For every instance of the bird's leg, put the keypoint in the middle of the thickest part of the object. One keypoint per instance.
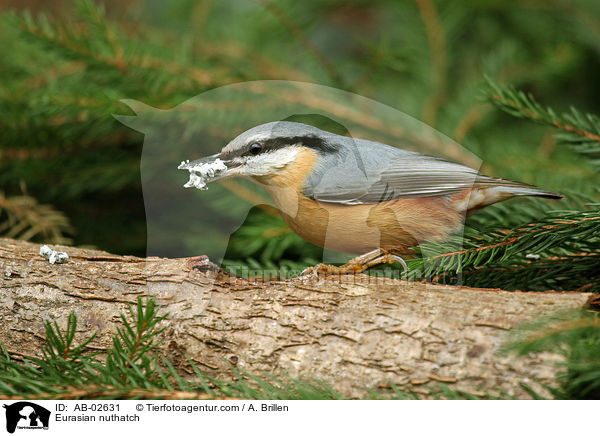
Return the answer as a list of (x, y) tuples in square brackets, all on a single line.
[(357, 265)]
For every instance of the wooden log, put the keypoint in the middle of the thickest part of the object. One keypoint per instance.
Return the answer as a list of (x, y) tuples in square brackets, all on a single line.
[(354, 332)]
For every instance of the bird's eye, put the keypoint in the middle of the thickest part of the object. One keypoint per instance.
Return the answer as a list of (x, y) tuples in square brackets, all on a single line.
[(255, 148)]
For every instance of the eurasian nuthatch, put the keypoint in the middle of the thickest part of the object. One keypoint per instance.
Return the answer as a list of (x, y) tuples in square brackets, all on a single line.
[(354, 195)]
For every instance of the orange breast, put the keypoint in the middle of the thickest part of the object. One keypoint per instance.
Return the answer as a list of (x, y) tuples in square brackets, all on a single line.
[(395, 225)]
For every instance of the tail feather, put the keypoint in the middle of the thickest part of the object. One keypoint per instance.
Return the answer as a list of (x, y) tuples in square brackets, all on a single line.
[(526, 190), (486, 195)]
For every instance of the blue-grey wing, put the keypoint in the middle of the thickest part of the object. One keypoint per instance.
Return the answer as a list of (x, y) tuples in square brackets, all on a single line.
[(371, 172)]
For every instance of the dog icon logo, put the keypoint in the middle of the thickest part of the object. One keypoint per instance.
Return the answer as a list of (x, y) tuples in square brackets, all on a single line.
[(26, 415)]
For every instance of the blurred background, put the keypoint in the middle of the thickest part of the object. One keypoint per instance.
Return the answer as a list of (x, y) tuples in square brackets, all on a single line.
[(70, 172)]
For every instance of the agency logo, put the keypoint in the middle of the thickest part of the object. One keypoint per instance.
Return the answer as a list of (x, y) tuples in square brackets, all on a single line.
[(26, 415)]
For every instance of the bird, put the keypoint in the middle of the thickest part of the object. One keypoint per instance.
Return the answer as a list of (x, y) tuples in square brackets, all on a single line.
[(353, 195)]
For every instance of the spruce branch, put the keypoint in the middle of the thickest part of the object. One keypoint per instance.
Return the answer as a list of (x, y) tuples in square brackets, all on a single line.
[(61, 345), (135, 341), (581, 131), (559, 250)]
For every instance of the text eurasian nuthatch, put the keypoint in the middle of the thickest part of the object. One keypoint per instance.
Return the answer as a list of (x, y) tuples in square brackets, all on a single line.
[(354, 195)]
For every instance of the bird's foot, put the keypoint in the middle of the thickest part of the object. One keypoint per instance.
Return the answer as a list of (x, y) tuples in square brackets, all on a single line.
[(326, 270), (356, 265)]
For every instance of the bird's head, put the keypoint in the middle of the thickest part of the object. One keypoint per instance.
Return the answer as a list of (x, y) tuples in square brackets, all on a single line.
[(261, 152)]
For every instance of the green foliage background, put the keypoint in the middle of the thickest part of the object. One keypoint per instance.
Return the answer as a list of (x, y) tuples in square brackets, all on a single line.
[(64, 68)]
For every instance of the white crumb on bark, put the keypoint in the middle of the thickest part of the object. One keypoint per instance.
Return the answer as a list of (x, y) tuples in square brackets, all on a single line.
[(53, 256)]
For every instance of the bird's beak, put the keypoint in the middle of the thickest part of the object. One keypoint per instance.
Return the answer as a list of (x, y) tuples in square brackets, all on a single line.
[(207, 169)]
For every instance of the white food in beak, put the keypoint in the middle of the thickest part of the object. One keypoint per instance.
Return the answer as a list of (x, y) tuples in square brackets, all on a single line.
[(201, 174)]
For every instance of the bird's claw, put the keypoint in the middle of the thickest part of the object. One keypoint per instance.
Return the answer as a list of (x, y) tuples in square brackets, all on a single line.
[(312, 272)]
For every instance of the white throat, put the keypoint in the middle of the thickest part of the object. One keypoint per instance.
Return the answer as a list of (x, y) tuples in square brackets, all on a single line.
[(269, 163)]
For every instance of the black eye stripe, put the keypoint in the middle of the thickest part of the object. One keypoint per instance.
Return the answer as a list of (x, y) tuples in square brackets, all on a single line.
[(310, 141)]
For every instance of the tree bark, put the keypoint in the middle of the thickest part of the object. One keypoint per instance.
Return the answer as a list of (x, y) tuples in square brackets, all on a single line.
[(353, 333)]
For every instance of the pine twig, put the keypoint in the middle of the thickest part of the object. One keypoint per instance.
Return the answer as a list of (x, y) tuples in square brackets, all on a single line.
[(580, 130)]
